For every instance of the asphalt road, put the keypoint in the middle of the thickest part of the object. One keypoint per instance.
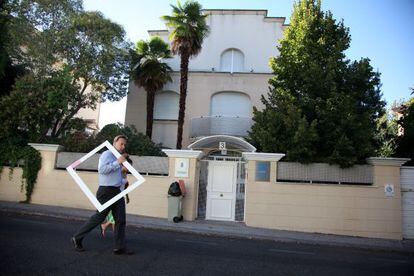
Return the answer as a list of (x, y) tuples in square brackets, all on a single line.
[(38, 245)]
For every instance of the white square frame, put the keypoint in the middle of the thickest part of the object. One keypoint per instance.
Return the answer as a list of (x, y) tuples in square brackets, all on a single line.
[(100, 207)]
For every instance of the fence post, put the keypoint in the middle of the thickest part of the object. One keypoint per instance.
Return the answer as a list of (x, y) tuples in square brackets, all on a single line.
[(387, 171), (184, 164), (49, 156), (252, 158), (386, 175)]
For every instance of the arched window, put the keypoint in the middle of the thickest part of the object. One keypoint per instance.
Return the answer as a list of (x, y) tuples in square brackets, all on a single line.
[(166, 105), (232, 60), (231, 104)]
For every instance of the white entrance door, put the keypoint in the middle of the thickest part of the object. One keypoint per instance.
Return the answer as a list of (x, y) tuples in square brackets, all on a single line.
[(221, 190)]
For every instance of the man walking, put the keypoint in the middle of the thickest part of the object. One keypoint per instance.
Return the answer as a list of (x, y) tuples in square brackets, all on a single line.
[(110, 183)]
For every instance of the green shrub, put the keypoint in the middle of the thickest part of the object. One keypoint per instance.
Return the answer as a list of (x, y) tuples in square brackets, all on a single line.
[(138, 143), (12, 153)]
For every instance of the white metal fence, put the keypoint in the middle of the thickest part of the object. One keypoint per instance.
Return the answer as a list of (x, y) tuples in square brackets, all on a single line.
[(150, 165), (324, 173)]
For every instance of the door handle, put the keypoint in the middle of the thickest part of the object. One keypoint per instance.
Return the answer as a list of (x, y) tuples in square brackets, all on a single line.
[(221, 195)]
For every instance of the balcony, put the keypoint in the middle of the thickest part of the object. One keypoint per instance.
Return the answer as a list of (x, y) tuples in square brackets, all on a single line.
[(220, 125)]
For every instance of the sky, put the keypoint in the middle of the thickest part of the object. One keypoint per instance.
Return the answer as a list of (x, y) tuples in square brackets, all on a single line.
[(382, 30)]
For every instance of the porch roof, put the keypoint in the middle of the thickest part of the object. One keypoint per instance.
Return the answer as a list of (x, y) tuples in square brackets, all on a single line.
[(231, 141)]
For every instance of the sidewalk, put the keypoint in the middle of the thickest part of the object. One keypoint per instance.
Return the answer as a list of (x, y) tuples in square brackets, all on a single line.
[(225, 229)]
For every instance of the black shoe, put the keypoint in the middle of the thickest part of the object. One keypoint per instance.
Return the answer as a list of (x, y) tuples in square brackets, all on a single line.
[(77, 244), (123, 251)]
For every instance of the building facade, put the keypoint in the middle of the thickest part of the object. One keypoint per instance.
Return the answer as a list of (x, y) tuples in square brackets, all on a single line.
[(225, 80), (91, 118)]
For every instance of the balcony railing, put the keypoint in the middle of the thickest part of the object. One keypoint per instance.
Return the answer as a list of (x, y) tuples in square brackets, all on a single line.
[(220, 125)]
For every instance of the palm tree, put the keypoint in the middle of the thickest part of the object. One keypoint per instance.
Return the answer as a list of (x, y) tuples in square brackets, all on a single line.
[(189, 28), (151, 72)]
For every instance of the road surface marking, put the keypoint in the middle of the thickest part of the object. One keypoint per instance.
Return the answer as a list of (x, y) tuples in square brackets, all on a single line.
[(291, 251), (389, 260), (197, 242)]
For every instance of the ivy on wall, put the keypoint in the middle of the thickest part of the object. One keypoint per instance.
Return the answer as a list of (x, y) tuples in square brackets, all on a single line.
[(26, 157)]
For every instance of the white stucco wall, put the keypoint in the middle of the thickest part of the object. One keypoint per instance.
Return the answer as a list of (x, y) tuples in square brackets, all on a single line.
[(201, 88), (89, 113), (250, 31)]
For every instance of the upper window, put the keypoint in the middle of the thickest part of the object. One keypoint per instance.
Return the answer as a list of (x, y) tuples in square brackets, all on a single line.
[(166, 105), (231, 104), (232, 60)]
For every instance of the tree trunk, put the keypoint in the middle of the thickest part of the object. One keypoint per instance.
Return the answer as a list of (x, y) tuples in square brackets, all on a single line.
[(183, 95), (150, 112), (56, 125), (65, 121)]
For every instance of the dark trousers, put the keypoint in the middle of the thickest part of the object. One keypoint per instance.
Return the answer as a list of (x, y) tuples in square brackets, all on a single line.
[(118, 211)]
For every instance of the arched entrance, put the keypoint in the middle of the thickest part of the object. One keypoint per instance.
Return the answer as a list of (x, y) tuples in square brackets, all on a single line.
[(221, 193)]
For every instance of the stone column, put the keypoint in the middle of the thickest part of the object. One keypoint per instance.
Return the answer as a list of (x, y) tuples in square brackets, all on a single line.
[(386, 175), (47, 178), (251, 183), (253, 157), (48, 153), (190, 176)]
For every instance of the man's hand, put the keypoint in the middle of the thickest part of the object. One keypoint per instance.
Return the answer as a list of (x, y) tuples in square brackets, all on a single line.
[(121, 159)]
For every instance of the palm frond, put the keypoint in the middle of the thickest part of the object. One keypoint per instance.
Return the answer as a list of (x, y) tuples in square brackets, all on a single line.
[(151, 72), (189, 27)]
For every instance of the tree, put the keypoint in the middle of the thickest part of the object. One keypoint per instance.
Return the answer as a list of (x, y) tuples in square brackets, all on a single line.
[(321, 107), (387, 134), (8, 71), (59, 38), (39, 30), (189, 28), (138, 143), (405, 142), (40, 106), (4, 17), (151, 72)]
